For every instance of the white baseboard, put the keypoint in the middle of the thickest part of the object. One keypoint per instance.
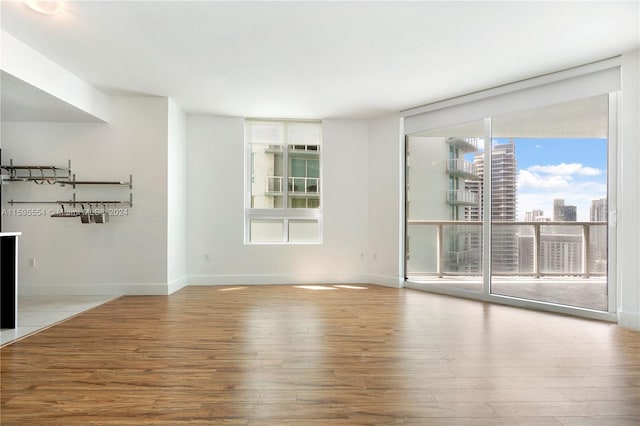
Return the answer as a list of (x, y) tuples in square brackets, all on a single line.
[(629, 320), (386, 280), (177, 284), (269, 279)]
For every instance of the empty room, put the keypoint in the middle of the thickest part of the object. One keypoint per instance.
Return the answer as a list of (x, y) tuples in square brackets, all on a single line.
[(320, 212)]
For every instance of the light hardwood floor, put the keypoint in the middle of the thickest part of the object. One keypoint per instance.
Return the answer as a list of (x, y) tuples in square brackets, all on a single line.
[(330, 355)]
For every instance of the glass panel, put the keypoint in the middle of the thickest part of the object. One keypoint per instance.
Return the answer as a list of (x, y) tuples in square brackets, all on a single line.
[(266, 231), (549, 204), (298, 167), (313, 168), (303, 231), (444, 195), (304, 176), (266, 176)]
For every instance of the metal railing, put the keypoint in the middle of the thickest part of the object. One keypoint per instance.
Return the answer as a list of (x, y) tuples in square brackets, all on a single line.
[(466, 144), (297, 185), (536, 235), (462, 197), (462, 167)]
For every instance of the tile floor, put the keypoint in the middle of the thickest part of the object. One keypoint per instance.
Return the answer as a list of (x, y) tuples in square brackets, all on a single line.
[(39, 312)]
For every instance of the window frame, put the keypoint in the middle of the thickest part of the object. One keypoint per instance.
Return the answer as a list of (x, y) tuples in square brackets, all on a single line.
[(285, 213)]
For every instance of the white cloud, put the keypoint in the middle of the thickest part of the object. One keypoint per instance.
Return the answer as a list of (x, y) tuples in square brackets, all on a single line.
[(578, 194), (565, 169), (529, 179)]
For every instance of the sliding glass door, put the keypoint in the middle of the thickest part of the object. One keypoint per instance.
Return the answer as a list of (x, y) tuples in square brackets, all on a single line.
[(514, 207), (549, 204)]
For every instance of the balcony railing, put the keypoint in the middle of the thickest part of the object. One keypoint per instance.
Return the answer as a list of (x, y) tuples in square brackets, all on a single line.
[(296, 186), (462, 168), (463, 257), (464, 144), (461, 197), (536, 244)]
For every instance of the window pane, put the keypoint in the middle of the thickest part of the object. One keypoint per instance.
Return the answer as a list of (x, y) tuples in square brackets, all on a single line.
[(298, 167), (551, 163), (266, 231), (298, 203), (444, 194), (267, 179), (304, 176), (303, 231), (313, 168)]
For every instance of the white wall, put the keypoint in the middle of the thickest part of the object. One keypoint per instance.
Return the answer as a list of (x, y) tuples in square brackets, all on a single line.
[(385, 156), (629, 195), (127, 255), (176, 198), (215, 180)]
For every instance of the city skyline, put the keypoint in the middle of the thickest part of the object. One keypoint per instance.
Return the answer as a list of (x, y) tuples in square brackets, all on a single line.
[(574, 170)]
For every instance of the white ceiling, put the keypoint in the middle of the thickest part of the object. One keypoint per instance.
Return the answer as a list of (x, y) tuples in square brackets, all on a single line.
[(319, 59)]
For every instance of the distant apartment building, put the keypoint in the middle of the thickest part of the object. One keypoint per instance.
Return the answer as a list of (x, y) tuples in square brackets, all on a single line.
[(562, 247), (561, 252), (504, 201), (563, 212), (599, 210), (268, 181), (598, 235), (536, 216)]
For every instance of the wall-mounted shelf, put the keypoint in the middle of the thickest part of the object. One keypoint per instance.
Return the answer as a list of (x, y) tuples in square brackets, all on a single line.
[(73, 182), (75, 202), (88, 210), (37, 174)]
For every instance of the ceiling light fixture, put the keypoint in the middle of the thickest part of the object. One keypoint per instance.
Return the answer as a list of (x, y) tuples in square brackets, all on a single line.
[(48, 7)]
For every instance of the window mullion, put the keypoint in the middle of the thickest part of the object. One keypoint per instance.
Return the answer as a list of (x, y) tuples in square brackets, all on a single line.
[(285, 169), (486, 208)]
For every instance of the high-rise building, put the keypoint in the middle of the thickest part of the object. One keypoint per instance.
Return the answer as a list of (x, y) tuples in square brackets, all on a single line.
[(598, 235), (563, 212), (504, 197), (599, 210), (561, 252), (534, 216), (558, 210), (570, 213)]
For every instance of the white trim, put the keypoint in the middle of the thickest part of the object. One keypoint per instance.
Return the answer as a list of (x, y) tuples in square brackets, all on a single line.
[(516, 98), (402, 203), (487, 229), (177, 284), (629, 320), (385, 280), (612, 201), (270, 279), (518, 85)]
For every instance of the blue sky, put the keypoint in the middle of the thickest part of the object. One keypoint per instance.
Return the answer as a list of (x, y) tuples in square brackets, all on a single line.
[(572, 169)]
